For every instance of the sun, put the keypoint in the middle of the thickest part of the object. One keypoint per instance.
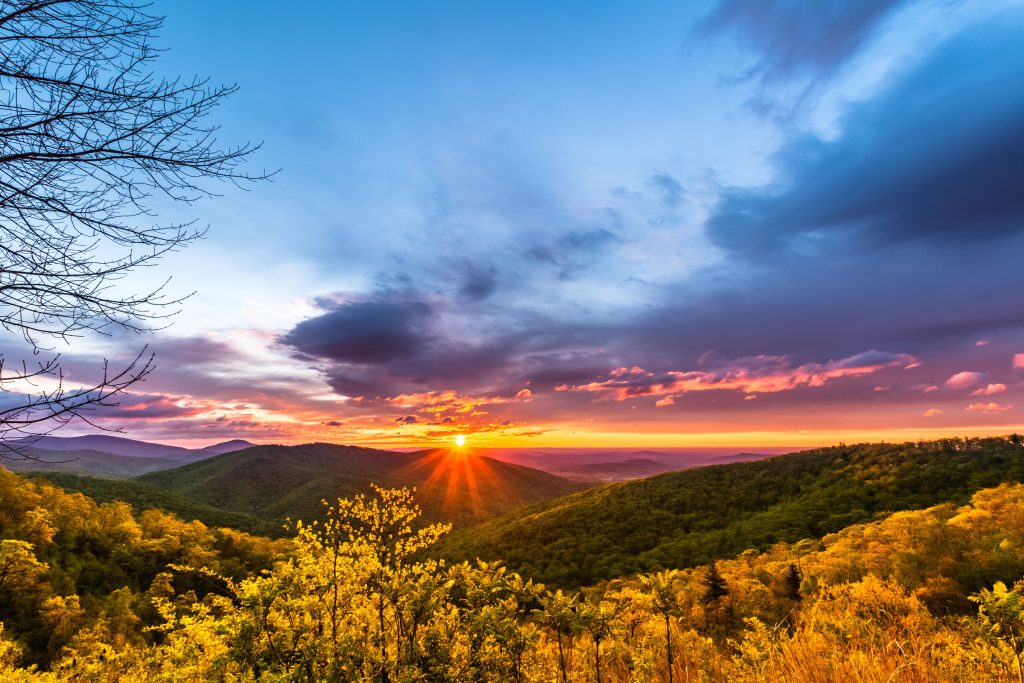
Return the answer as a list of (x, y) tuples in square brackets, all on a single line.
[(460, 440)]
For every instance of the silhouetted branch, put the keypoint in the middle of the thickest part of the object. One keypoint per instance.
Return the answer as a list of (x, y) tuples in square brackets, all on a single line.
[(88, 136)]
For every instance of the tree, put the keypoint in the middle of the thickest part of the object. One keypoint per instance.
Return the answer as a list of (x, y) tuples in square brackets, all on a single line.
[(89, 137), (662, 588), (1001, 610), (791, 581), (715, 587), (600, 619)]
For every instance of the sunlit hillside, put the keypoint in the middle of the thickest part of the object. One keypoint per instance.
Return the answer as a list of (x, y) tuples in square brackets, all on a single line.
[(683, 519), (95, 592), (269, 484)]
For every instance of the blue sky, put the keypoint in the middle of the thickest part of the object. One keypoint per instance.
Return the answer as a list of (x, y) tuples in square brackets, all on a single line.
[(579, 223)]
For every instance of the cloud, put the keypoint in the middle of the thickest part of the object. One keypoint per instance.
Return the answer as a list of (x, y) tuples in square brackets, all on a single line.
[(370, 331), (1018, 361), (790, 38), (934, 159), (965, 380), (670, 190), (132, 406), (988, 407), (759, 374), (932, 412), (478, 283), (990, 390)]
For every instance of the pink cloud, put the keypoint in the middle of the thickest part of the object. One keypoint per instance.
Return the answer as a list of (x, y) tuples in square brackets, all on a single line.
[(990, 390), (752, 375), (1018, 361), (932, 412), (982, 342), (965, 380), (988, 407)]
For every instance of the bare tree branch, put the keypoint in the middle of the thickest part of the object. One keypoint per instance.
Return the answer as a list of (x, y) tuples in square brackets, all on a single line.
[(88, 136)]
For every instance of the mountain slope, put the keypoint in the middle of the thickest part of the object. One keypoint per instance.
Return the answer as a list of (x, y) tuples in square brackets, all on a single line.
[(88, 462), (143, 496), (132, 448), (107, 443), (687, 518), (634, 468), (275, 482)]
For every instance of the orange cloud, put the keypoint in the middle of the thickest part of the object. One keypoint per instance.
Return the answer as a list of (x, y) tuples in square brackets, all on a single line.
[(758, 374), (990, 390), (932, 412), (989, 407)]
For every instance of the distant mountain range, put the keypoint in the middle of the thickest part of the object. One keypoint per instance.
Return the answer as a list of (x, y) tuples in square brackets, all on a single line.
[(612, 465), (290, 481), (258, 487), (117, 445), (104, 455)]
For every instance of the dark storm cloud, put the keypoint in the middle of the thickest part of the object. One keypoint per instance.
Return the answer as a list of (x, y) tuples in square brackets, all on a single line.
[(902, 233), (935, 159), (905, 299), (365, 332), (792, 37)]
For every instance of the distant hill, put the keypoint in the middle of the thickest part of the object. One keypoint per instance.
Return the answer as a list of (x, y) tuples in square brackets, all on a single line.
[(87, 462), (117, 445), (224, 447), (103, 455), (634, 468), (576, 463), (275, 482), (691, 517), (105, 443)]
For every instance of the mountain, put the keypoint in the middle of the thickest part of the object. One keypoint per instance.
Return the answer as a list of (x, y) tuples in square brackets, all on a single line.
[(105, 443), (691, 517), (224, 447), (87, 462), (144, 496), (102, 455), (634, 468), (567, 462), (277, 482)]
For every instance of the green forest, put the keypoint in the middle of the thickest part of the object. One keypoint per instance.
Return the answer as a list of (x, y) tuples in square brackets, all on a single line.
[(692, 517), (921, 590)]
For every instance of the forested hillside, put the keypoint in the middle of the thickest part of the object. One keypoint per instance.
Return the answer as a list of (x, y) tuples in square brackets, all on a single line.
[(87, 463), (68, 565), (279, 482), (688, 518), (94, 593), (145, 496)]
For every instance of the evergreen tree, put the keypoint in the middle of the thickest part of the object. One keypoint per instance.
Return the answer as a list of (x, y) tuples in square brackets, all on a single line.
[(791, 582), (715, 587)]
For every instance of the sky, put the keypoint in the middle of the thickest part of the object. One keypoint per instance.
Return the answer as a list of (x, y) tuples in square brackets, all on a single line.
[(736, 223)]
